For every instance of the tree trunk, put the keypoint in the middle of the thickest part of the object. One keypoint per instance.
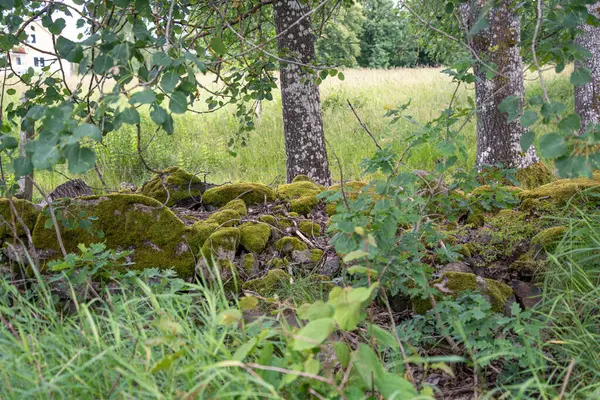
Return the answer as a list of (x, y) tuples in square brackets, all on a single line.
[(587, 97), (25, 184), (498, 141), (302, 121)]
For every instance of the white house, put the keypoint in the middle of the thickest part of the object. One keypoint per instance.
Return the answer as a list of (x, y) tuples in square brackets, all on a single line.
[(36, 54)]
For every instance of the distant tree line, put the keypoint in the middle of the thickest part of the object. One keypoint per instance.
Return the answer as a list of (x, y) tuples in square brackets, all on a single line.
[(377, 34)]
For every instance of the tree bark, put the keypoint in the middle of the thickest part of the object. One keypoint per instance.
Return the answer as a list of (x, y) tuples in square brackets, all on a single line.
[(587, 97), (25, 184), (498, 141), (302, 120)]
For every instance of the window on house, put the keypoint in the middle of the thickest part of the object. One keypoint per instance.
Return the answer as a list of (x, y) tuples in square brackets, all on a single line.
[(19, 62), (39, 62), (32, 37)]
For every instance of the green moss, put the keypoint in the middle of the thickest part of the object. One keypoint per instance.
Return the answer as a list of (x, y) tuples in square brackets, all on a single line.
[(549, 238), (249, 262), (237, 205), (526, 263), (309, 228), (563, 190), (331, 209), (269, 284), (287, 244), (26, 211), (304, 205), (129, 222), (225, 218), (201, 230), (294, 214), (268, 219), (222, 244), (296, 190), (251, 193), (254, 237), (181, 185), (277, 262), (539, 207), (301, 178), (316, 255), (455, 282), (535, 175), (351, 187)]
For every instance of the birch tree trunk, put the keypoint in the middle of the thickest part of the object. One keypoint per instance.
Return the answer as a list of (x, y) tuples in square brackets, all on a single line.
[(302, 121), (587, 97), (498, 141)]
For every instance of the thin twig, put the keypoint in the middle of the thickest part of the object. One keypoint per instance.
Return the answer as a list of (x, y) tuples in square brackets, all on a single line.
[(363, 125)]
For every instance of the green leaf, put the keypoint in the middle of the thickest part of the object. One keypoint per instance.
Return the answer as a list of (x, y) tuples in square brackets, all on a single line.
[(161, 59), (122, 53), (168, 125), (245, 349), (229, 317), (511, 106), (35, 112), (178, 103), (165, 362), (348, 304), (382, 336), (86, 130), (159, 115), (22, 167), (57, 26), (69, 50), (353, 255), (103, 64), (143, 97), (569, 124), (9, 142), (315, 311), (248, 303), (7, 4), (528, 118), (11, 91), (552, 145), (342, 353), (527, 140), (313, 334), (129, 116), (169, 81), (550, 110), (479, 25), (573, 167), (217, 45), (81, 159), (581, 76)]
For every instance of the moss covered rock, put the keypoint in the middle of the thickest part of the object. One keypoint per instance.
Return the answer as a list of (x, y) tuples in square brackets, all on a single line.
[(225, 218), (251, 193), (222, 244), (129, 222), (563, 190), (535, 175), (316, 255), (288, 244), (301, 178), (499, 294), (309, 228), (301, 195), (249, 262), (526, 265), (26, 211), (201, 231), (549, 238), (174, 187), (255, 236), (269, 284), (237, 205)]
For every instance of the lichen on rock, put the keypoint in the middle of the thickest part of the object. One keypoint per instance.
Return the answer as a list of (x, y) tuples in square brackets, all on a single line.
[(251, 193), (255, 236), (174, 186)]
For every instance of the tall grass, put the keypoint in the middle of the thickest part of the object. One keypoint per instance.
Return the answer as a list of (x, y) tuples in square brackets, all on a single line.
[(200, 141)]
